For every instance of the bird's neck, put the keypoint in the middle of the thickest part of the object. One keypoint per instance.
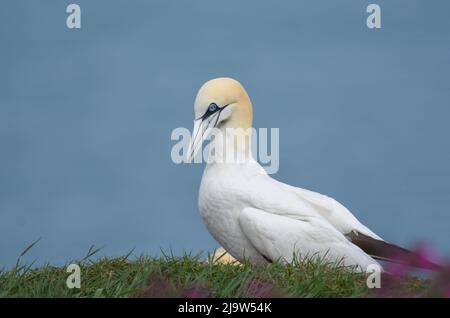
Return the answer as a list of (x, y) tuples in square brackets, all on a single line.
[(231, 145), (234, 142)]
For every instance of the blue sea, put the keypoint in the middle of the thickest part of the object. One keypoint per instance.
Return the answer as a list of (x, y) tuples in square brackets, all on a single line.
[(86, 116)]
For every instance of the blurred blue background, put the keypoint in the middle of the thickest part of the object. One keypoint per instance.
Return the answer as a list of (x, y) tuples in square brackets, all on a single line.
[(86, 116)]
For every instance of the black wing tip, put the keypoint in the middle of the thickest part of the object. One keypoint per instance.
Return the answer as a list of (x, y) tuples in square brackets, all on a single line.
[(384, 251)]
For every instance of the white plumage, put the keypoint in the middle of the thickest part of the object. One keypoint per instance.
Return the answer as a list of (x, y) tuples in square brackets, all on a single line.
[(253, 216), (257, 218)]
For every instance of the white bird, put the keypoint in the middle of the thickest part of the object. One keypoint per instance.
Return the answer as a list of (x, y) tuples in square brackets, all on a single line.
[(258, 219)]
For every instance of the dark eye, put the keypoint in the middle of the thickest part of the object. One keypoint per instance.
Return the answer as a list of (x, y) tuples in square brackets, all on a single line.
[(212, 107)]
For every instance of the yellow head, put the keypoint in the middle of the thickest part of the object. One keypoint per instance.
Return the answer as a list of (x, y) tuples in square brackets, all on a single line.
[(220, 103), (233, 103)]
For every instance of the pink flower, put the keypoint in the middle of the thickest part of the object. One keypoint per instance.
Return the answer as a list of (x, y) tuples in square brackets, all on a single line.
[(259, 289), (196, 292)]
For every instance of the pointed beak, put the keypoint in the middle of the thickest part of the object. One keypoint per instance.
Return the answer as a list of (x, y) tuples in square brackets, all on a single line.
[(202, 129), (196, 140)]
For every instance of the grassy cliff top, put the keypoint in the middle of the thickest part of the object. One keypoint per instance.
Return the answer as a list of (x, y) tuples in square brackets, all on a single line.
[(188, 276)]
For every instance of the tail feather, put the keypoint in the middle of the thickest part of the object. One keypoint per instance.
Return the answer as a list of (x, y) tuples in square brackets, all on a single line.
[(381, 250)]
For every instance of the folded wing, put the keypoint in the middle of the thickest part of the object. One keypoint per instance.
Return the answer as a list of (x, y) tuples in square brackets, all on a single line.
[(281, 238)]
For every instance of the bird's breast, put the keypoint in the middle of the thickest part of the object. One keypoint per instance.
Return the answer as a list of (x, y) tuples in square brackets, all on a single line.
[(220, 204)]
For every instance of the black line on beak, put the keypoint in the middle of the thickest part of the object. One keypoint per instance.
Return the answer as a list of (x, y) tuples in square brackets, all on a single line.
[(204, 130), (218, 116)]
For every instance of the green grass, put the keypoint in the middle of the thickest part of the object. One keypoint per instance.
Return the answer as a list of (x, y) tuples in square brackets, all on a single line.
[(188, 275)]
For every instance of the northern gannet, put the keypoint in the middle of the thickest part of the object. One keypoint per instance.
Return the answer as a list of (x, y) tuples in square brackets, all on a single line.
[(257, 218)]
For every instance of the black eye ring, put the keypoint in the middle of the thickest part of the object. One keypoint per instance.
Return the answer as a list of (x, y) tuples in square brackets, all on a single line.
[(212, 108)]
